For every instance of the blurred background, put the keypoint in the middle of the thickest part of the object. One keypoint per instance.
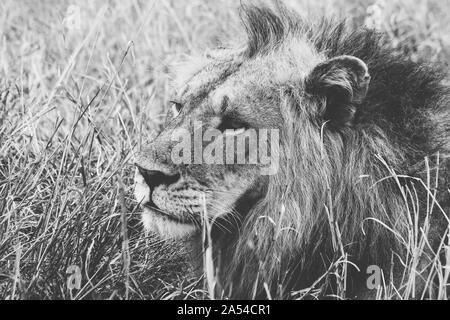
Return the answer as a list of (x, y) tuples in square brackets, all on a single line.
[(82, 84)]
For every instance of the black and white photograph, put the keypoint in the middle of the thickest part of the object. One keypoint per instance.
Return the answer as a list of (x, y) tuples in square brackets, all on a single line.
[(236, 152)]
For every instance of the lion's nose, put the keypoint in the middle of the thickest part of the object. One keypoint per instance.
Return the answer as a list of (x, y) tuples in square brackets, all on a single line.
[(155, 178)]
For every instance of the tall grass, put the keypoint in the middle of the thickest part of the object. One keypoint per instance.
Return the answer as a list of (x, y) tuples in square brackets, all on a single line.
[(77, 98)]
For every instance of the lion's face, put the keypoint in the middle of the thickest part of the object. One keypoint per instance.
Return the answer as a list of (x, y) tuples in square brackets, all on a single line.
[(227, 94)]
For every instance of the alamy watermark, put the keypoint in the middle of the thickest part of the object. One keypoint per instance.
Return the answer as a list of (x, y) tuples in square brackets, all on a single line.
[(375, 277), (73, 278), (259, 147)]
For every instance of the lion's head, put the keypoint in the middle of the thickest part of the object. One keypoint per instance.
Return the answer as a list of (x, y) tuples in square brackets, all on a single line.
[(324, 104), (234, 92)]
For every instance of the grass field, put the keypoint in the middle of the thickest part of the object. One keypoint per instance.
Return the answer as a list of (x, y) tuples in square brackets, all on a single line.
[(82, 85)]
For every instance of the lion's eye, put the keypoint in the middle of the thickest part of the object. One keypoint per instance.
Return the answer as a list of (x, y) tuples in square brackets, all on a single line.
[(234, 132), (233, 127), (176, 108)]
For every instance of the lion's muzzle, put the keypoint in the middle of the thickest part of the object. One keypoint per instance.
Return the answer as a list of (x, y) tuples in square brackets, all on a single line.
[(157, 217)]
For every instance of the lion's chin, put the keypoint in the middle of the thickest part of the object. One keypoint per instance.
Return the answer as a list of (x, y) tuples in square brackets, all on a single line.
[(166, 228)]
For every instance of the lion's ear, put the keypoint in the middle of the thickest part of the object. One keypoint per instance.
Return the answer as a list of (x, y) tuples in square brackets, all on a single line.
[(341, 82)]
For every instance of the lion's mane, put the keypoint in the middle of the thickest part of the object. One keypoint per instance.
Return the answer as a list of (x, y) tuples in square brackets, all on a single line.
[(346, 196)]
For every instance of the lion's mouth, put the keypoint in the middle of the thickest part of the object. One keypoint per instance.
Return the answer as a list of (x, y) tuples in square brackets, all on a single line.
[(154, 209)]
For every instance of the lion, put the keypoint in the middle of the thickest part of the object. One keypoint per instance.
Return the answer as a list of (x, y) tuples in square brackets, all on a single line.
[(360, 128)]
